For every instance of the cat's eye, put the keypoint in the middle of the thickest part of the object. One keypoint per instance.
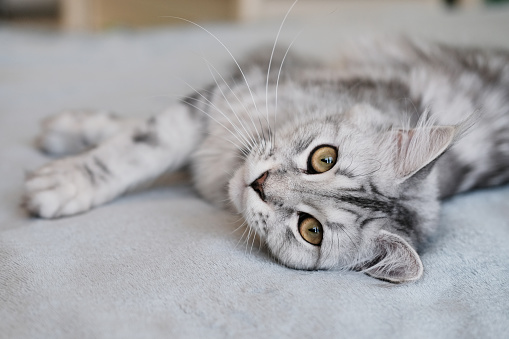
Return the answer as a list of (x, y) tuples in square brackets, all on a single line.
[(322, 159), (311, 230)]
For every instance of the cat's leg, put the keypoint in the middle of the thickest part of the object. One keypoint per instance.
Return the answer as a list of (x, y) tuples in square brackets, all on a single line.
[(72, 132), (76, 184)]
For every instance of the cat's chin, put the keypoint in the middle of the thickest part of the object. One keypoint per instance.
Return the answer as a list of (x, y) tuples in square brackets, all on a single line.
[(237, 189)]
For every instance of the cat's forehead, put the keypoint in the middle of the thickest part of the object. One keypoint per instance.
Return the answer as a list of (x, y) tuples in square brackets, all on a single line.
[(303, 132), (295, 142)]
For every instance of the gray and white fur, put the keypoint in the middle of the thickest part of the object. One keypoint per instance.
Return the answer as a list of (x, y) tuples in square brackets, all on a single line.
[(412, 123)]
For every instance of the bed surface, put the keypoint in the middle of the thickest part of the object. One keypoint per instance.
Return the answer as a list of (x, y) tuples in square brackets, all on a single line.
[(163, 263)]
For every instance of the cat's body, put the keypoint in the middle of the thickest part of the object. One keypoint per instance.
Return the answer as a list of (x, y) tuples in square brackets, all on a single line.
[(251, 148)]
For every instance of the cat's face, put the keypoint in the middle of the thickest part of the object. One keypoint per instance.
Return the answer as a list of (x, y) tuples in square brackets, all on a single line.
[(326, 194)]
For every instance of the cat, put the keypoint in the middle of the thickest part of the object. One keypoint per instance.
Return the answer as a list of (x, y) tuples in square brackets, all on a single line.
[(334, 166)]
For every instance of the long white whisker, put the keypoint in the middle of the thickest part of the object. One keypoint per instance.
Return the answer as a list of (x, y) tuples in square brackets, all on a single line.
[(281, 66), (243, 157), (248, 139), (253, 142), (243, 150), (227, 50), (226, 128), (277, 83), (270, 62), (242, 236), (260, 244), (248, 236), (246, 142), (252, 243), (264, 139), (240, 101), (221, 151), (235, 230), (210, 154), (222, 113)]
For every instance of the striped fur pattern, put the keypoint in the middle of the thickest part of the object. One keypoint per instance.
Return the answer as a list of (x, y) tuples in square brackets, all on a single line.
[(412, 123)]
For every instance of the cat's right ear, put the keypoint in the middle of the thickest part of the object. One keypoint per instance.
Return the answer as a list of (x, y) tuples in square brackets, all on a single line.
[(417, 148)]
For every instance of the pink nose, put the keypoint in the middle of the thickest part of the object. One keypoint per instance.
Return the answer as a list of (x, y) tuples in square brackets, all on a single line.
[(257, 185)]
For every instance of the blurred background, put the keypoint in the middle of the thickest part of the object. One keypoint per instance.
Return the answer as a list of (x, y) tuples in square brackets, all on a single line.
[(133, 58), (96, 15)]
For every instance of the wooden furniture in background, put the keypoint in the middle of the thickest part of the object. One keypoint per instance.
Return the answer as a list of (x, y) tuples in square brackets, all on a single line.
[(103, 14)]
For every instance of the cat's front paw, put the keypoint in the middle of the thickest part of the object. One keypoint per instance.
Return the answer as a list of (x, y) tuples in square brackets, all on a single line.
[(61, 188)]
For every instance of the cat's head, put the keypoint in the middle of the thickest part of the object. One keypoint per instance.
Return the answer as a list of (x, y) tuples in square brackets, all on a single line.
[(344, 191)]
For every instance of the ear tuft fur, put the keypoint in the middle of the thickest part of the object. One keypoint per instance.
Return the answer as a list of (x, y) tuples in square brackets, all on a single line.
[(418, 147)]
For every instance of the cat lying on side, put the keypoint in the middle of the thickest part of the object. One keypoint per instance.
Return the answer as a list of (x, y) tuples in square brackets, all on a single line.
[(333, 166)]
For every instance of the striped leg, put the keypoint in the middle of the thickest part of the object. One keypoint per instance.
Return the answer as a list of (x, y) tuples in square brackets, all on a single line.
[(76, 184)]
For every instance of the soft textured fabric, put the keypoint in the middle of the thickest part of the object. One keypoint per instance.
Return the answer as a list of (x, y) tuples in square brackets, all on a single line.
[(164, 263)]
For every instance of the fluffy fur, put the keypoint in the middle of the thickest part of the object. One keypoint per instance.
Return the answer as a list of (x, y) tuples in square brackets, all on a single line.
[(412, 123)]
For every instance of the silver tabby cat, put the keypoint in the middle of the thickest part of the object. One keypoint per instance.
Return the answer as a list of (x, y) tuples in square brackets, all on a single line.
[(334, 166)]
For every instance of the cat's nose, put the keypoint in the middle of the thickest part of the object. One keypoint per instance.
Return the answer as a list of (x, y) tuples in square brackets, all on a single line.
[(257, 185)]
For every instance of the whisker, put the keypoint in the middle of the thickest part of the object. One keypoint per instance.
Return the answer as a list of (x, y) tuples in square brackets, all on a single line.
[(244, 152), (209, 65), (222, 113), (244, 223), (242, 236), (242, 103), (252, 243), (264, 139), (281, 66), (270, 62), (196, 107), (248, 237), (217, 154), (260, 244), (227, 50), (252, 141), (220, 151), (224, 128), (277, 84)]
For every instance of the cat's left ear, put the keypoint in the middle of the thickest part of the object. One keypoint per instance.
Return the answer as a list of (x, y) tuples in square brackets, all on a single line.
[(417, 148), (393, 259)]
